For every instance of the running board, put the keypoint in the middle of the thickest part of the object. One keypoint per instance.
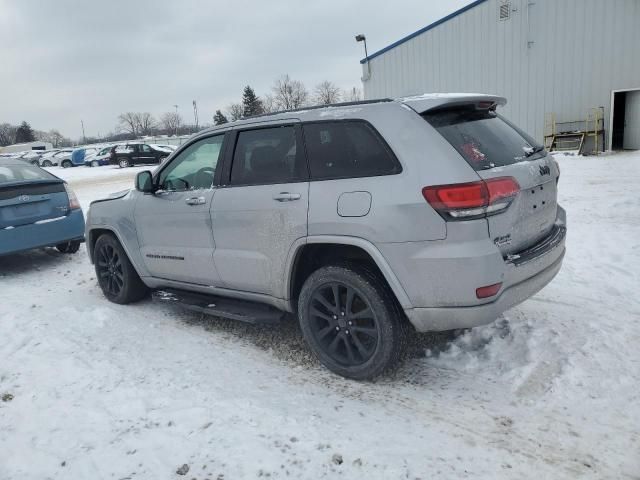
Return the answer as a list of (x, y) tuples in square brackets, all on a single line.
[(242, 310)]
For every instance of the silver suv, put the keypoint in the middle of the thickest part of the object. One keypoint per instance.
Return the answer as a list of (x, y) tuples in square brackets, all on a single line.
[(366, 220)]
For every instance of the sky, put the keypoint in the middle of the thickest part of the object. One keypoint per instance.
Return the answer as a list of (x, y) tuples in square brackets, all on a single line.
[(64, 61)]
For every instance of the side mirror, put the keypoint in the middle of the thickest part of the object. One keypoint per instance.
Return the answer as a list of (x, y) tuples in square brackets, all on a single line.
[(144, 182)]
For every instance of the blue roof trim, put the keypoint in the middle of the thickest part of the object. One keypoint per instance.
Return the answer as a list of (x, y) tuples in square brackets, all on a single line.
[(422, 30)]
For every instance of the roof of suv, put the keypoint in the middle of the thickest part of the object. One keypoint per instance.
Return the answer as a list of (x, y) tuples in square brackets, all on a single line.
[(419, 103)]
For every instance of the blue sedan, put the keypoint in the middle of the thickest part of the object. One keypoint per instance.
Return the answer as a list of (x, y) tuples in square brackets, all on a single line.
[(37, 209)]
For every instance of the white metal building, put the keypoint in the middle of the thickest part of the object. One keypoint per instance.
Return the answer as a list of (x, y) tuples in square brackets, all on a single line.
[(564, 65)]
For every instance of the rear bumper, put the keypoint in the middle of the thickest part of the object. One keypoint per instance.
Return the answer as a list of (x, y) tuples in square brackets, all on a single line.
[(441, 278), (451, 318), (102, 162), (28, 237)]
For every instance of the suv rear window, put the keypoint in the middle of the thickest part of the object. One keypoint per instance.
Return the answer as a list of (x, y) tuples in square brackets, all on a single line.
[(347, 149), (484, 138)]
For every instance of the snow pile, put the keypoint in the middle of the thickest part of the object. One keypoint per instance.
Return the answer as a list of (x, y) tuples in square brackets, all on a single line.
[(89, 389)]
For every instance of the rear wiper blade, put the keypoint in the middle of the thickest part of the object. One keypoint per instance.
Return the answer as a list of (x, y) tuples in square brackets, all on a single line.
[(533, 150)]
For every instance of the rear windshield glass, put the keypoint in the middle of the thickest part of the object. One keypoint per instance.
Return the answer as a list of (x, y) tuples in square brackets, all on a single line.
[(19, 173), (483, 138)]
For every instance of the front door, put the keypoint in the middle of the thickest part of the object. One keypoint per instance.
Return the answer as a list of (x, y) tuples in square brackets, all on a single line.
[(263, 209), (174, 224), (632, 122), (146, 154)]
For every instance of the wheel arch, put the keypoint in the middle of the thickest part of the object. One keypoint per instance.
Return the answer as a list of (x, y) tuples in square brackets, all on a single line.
[(308, 254), (94, 233)]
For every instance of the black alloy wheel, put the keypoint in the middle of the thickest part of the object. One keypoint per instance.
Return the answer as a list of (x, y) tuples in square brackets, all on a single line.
[(343, 324), (110, 270)]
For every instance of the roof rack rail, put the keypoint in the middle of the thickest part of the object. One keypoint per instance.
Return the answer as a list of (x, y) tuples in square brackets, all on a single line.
[(317, 107)]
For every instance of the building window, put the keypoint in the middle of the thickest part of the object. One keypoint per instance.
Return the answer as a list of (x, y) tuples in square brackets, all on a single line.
[(505, 11)]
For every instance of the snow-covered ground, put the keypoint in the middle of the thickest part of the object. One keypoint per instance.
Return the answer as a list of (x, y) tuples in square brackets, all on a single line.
[(552, 390)]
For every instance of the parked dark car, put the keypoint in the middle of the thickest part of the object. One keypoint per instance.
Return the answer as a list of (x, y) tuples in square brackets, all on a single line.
[(100, 158), (136, 154)]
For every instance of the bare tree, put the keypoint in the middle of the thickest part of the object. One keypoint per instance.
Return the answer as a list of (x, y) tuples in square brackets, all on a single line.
[(352, 95), (326, 93), (170, 122), (289, 94), (269, 103), (146, 123), (56, 138), (7, 134), (235, 111), (129, 123)]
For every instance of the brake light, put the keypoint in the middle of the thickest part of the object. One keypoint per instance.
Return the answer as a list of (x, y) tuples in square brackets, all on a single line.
[(74, 204), (464, 201)]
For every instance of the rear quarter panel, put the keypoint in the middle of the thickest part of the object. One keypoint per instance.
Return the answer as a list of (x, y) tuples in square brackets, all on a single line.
[(399, 212)]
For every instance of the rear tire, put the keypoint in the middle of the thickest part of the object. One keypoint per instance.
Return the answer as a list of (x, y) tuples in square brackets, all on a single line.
[(116, 276), (361, 334), (123, 162), (66, 164), (95, 163), (68, 247)]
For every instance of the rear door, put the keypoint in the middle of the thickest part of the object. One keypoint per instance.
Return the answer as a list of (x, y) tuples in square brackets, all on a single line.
[(29, 195), (262, 210), (495, 148)]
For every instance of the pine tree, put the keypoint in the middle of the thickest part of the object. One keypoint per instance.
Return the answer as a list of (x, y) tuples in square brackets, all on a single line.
[(219, 118), (251, 103), (25, 133)]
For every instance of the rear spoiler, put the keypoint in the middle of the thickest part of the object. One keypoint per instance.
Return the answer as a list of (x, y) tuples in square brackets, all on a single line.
[(434, 101)]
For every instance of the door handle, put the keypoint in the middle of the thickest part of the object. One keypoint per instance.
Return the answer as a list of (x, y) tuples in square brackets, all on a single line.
[(195, 201), (286, 197)]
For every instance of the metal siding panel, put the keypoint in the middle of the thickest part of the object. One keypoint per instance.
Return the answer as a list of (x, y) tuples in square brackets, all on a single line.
[(584, 49)]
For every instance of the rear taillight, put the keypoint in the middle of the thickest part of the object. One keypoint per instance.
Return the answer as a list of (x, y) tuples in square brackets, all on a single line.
[(74, 204), (465, 201)]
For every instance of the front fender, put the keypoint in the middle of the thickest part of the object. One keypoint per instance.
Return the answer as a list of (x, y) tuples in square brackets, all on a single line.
[(116, 215)]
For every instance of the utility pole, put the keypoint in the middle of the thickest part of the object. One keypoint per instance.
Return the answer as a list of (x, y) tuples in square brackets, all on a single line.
[(84, 139), (195, 114), (176, 119)]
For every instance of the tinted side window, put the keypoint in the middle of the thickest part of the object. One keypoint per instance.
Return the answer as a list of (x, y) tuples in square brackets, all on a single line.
[(267, 155), (347, 149)]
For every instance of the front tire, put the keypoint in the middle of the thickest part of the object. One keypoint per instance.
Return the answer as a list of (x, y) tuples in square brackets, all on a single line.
[(123, 162), (68, 247), (351, 321), (116, 276), (47, 163), (66, 164), (95, 163)]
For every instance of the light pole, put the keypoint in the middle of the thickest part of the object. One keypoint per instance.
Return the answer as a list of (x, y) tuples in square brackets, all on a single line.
[(176, 120), (361, 38)]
